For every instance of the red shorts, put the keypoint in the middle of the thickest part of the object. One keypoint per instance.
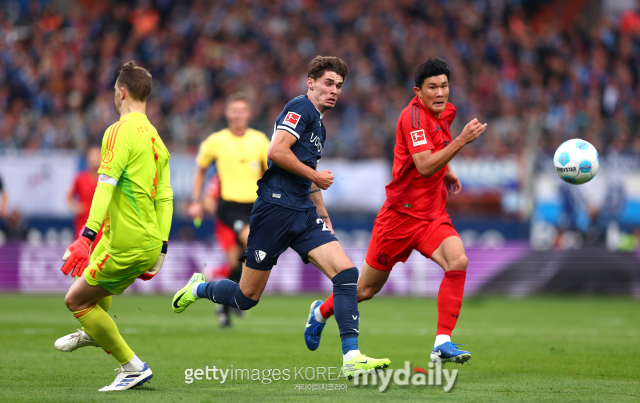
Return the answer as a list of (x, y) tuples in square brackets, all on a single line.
[(226, 236), (396, 235)]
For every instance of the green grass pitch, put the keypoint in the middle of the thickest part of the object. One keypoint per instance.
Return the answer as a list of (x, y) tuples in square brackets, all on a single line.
[(535, 349)]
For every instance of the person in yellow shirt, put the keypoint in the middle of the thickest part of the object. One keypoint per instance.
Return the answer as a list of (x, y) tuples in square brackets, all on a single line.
[(240, 156), (135, 201)]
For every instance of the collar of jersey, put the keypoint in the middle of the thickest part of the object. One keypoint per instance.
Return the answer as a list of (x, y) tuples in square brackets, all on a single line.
[(131, 113), (321, 114)]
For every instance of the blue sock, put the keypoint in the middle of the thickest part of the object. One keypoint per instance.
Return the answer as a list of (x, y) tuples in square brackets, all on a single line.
[(345, 307), (348, 344), (225, 292)]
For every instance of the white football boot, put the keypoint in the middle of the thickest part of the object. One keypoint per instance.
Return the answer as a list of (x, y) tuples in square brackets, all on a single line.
[(74, 341), (129, 379)]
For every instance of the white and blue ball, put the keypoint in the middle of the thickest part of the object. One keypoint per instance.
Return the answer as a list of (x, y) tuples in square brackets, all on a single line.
[(576, 161)]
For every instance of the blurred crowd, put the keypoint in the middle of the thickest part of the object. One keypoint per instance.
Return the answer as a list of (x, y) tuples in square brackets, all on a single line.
[(509, 67)]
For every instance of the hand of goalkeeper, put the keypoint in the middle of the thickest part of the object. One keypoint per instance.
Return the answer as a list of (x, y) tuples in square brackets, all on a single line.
[(76, 258), (150, 273)]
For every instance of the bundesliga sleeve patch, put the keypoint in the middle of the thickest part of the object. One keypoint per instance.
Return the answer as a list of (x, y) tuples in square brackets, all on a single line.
[(291, 120), (418, 137)]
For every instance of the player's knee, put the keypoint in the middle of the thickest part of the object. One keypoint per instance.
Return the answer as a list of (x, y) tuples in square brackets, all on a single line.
[(243, 302), (346, 276), (367, 293), (459, 263), (71, 302)]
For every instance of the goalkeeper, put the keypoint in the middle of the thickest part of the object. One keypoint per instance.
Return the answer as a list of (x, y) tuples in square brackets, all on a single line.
[(135, 200)]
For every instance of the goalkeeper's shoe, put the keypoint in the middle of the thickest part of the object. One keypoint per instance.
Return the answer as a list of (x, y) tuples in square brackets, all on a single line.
[(448, 352), (129, 379), (313, 330), (361, 364), (75, 341), (184, 297)]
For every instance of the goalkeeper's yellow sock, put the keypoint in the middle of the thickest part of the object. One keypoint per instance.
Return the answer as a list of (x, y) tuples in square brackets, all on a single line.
[(99, 325), (105, 303)]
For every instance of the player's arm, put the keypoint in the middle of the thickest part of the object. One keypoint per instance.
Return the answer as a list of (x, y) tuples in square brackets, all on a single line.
[(452, 182), (4, 200), (72, 203), (316, 197), (164, 214), (116, 149), (429, 163), (164, 201), (206, 156), (281, 155)]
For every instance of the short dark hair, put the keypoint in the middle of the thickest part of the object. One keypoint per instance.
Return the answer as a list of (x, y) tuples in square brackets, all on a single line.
[(320, 64), (430, 68), (136, 79), (238, 96)]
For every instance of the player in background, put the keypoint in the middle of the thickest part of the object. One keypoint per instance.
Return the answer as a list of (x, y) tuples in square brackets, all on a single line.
[(414, 215), (289, 212), (240, 155), (81, 193), (227, 239), (135, 201), (4, 200), (225, 236)]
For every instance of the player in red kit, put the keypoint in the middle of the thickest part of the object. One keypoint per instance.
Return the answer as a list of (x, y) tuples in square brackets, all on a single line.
[(81, 193), (414, 215)]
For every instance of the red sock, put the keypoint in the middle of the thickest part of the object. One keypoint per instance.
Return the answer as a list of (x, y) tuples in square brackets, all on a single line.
[(450, 300), (326, 308)]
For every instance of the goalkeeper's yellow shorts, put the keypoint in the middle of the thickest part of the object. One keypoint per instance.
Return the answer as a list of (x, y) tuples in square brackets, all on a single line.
[(116, 271)]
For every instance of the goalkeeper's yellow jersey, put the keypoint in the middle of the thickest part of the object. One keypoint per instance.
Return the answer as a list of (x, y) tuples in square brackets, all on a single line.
[(134, 155)]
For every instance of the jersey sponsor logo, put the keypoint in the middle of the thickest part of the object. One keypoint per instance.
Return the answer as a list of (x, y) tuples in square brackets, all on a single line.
[(383, 258), (316, 141), (276, 195), (260, 255), (445, 143), (418, 137), (291, 120)]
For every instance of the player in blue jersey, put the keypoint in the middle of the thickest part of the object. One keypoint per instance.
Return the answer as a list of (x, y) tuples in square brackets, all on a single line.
[(289, 212)]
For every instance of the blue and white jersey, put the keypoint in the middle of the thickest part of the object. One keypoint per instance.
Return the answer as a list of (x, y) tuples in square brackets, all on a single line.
[(301, 119)]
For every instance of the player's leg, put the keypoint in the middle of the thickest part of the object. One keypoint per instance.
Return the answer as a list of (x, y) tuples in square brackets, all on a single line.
[(370, 283), (268, 238), (392, 241), (111, 274), (331, 259), (74, 341), (229, 241), (450, 255)]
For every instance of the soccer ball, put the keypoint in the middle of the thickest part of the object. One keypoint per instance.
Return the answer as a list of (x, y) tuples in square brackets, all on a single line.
[(576, 161)]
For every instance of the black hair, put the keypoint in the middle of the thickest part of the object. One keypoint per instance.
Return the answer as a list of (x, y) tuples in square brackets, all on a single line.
[(430, 68)]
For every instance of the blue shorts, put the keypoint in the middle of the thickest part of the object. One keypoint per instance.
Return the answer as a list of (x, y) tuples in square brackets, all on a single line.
[(273, 229)]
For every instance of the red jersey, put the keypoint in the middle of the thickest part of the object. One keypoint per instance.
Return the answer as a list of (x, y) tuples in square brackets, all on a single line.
[(418, 130), (84, 186)]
